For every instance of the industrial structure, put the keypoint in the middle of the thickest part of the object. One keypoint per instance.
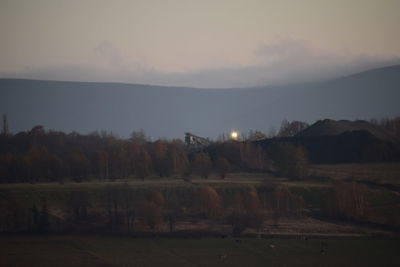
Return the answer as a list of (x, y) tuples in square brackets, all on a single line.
[(194, 141)]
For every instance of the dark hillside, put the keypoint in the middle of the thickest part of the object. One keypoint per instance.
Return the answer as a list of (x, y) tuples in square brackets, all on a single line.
[(331, 127), (171, 111), (347, 147), (343, 141)]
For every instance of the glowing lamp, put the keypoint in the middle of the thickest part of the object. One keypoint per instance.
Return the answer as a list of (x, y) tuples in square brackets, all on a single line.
[(234, 135)]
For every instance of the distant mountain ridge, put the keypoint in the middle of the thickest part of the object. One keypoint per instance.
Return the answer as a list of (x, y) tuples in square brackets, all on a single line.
[(170, 111)]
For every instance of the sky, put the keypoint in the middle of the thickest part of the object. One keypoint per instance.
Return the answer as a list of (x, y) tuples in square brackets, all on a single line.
[(211, 44)]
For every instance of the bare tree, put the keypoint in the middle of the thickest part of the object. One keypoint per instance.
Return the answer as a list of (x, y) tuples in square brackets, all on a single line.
[(142, 164), (153, 209), (291, 128), (139, 137), (347, 200), (202, 165), (103, 164), (291, 161), (208, 202), (222, 166)]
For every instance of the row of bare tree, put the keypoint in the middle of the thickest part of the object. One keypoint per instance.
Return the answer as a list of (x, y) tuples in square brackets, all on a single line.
[(39, 155), (121, 208)]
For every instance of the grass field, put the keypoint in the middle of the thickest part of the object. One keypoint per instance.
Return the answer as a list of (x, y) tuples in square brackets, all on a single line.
[(381, 173), (382, 205), (311, 190), (113, 251)]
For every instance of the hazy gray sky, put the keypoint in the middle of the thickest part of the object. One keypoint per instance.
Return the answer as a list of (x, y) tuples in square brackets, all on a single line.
[(224, 43)]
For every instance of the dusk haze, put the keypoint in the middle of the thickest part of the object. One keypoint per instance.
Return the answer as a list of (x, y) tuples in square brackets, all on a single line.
[(199, 133), (196, 43)]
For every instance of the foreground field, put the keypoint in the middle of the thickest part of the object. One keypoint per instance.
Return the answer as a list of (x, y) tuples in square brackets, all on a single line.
[(112, 251)]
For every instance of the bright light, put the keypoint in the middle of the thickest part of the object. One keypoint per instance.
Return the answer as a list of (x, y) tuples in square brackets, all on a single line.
[(234, 135)]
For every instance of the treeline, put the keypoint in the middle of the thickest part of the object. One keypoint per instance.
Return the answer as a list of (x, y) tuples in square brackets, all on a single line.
[(40, 155), (122, 208), (390, 125), (50, 156)]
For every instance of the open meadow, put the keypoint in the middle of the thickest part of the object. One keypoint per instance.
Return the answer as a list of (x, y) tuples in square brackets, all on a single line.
[(78, 251), (66, 201), (379, 173)]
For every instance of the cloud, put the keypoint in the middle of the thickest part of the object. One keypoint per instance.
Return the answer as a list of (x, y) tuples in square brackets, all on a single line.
[(109, 54), (293, 61), (281, 50), (281, 62)]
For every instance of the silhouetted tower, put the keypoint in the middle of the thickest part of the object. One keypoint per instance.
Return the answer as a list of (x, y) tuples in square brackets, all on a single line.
[(5, 130)]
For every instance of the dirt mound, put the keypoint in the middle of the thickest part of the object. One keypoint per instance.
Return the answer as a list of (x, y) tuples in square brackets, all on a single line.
[(332, 127)]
